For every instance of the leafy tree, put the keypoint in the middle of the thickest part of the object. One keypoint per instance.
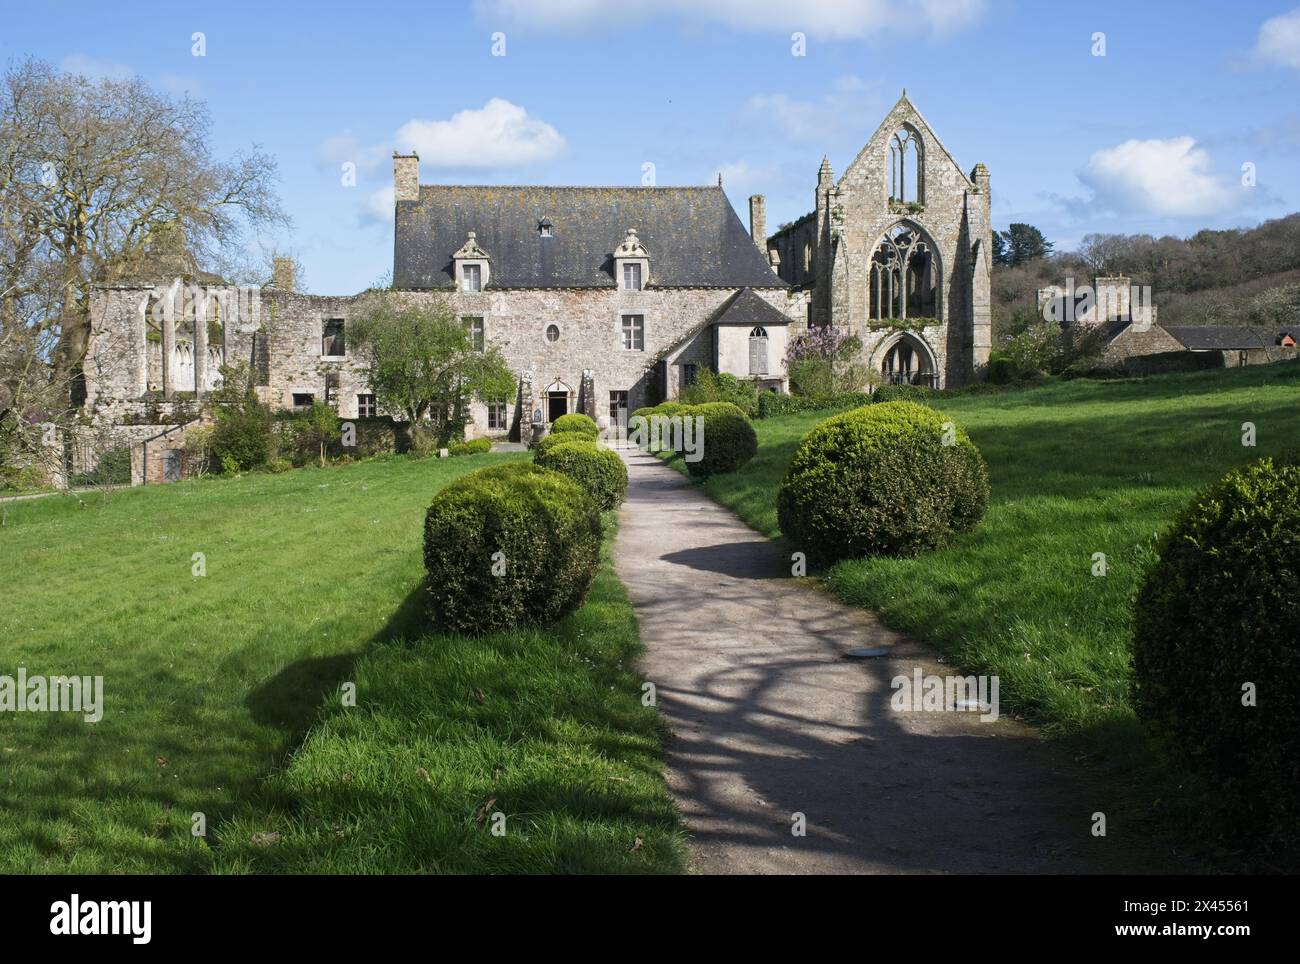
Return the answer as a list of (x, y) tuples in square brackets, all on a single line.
[(101, 180), (421, 361), (1000, 255), (322, 426), (241, 434), (1024, 243)]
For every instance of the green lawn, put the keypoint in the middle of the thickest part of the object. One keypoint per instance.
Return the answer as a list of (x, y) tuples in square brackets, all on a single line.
[(211, 683), (1076, 468)]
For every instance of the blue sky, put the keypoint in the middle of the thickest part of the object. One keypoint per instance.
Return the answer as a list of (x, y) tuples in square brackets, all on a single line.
[(1152, 136)]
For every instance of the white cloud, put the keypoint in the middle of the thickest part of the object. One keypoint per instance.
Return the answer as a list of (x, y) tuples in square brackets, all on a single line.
[(346, 146), (500, 134), (378, 207), (96, 69), (820, 18), (1279, 40), (804, 120), (1165, 178)]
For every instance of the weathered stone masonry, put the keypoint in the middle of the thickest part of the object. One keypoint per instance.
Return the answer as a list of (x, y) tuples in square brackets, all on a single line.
[(597, 296)]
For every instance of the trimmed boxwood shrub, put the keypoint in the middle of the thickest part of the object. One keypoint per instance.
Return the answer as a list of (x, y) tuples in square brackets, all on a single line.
[(550, 441), (575, 422), (599, 471), (1219, 609), (879, 479), (476, 446), (544, 526), (729, 439)]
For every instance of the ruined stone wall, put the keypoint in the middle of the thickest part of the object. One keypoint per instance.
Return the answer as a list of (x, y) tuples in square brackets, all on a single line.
[(954, 215), (285, 334)]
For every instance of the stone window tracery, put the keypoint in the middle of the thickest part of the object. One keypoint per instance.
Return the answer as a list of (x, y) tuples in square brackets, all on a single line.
[(905, 170), (904, 276)]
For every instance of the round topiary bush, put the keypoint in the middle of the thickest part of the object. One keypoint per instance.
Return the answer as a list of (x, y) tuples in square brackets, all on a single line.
[(563, 438), (1217, 627), (507, 546), (880, 479), (729, 440), (599, 471), (575, 422)]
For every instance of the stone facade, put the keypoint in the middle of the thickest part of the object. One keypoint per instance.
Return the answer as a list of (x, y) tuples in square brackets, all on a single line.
[(552, 275), (938, 216)]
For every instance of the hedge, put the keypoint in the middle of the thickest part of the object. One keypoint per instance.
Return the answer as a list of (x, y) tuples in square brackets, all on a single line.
[(600, 472), (902, 393), (507, 546), (879, 479), (1216, 618), (774, 404)]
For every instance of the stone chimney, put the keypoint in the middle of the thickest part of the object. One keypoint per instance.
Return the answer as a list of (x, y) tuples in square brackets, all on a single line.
[(758, 220), (406, 176), (282, 274)]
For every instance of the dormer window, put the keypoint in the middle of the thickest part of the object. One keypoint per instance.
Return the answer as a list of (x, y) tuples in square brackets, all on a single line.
[(544, 228), (471, 265), (631, 263)]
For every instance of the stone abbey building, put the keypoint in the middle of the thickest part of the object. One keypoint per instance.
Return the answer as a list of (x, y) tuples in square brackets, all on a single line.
[(602, 299)]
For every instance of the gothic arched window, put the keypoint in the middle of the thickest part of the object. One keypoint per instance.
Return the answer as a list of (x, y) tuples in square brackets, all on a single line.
[(905, 170), (904, 276)]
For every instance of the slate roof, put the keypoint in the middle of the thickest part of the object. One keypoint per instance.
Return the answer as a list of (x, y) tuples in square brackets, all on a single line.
[(1223, 337), (693, 235), (747, 309)]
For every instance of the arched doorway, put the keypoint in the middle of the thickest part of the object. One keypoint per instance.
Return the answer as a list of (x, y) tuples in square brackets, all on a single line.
[(558, 397), (907, 360)]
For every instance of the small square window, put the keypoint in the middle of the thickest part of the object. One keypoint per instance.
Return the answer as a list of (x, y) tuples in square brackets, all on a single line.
[(498, 415), (471, 277), (365, 406), (545, 229), (475, 328), (690, 372), (632, 276), (633, 332), (332, 343), (303, 399)]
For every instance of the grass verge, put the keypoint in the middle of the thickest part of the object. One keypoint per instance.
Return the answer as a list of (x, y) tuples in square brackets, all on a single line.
[(210, 681)]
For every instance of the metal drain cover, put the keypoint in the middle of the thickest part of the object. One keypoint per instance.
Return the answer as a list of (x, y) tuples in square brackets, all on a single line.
[(866, 652)]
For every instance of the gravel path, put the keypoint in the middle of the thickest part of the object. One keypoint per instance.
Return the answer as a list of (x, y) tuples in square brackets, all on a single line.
[(770, 720)]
